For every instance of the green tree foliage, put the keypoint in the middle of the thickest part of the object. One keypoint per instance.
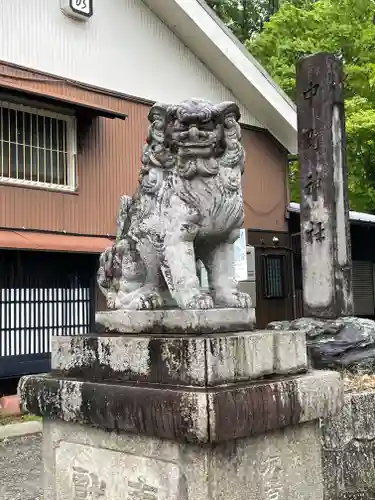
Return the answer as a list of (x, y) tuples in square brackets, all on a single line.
[(344, 27), (247, 17)]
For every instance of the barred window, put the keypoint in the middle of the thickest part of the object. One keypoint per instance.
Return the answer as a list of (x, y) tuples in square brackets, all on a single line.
[(37, 147), (273, 276)]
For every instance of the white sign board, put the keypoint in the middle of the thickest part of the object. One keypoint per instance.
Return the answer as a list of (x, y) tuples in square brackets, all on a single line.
[(79, 9), (250, 250), (240, 257)]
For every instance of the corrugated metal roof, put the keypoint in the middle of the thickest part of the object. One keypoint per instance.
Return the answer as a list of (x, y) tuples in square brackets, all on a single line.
[(353, 216)]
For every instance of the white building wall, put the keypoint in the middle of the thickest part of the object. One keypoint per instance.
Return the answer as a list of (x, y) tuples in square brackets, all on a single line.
[(123, 47)]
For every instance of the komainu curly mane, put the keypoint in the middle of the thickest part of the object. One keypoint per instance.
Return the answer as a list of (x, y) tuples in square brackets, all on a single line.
[(188, 207)]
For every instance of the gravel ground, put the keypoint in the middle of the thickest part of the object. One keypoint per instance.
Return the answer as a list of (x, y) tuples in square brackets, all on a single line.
[(21, 468)]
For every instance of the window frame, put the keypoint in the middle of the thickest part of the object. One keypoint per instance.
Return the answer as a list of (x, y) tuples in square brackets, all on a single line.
[(71, 128), (281, 258)]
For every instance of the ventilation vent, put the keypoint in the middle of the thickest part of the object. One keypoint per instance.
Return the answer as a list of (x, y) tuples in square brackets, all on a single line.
[(363, 288)]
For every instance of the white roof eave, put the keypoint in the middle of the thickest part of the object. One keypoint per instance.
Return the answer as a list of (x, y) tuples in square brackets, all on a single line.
[(353, 216), (206, 36)]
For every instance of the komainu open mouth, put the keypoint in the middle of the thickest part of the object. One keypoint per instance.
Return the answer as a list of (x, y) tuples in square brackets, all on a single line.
[(202, 144)]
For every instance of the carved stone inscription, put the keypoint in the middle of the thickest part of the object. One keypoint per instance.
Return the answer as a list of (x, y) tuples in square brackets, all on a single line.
[(312, 184), (271, 472), (312, 138), (87, 485), (140, 490), (88, 473), (314, 231), (311, 90)]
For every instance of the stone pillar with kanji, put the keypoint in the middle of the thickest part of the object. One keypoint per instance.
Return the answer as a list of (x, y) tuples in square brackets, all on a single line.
[(325, 234)]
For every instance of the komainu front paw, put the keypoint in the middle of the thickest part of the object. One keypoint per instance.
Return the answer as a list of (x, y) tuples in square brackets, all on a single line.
[(238, 299), (202, 301), (242, 300), (150, 301), (111, 300)]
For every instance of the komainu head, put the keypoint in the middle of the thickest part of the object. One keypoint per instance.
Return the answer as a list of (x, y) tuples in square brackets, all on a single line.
[(192, 138)]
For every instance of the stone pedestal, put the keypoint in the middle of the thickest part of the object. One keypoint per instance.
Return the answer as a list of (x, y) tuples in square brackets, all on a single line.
[(79, 459), (182, 417)]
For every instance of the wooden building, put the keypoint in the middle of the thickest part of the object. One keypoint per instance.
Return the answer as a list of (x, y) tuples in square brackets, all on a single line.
[(75, 90)]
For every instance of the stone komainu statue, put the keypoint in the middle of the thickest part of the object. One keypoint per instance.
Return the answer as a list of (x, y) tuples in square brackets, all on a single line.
[(188, 207)]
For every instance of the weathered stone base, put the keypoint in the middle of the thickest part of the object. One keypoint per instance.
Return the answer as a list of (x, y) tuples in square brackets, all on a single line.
[(349, 449), (200, 360), (282, 465), (207, 415), (176, 321)]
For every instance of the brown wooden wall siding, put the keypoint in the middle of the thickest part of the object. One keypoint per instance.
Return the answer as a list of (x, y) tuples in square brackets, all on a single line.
[(264, 182), (107, 166)]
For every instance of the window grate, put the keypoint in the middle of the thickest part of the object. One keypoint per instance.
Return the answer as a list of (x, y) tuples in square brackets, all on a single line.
[(29, 317), (43, 294), (37, 147), (273, 276)]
